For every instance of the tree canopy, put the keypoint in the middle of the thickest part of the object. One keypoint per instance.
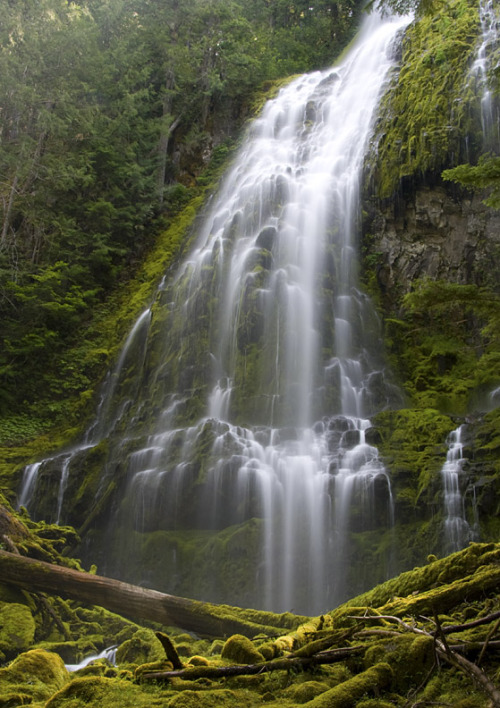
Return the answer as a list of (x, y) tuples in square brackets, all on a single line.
[(109, 110)]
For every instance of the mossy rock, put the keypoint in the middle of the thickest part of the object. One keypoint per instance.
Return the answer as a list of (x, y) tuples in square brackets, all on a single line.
[(207, 699), (346, 694), (8, 593), (304, 692), (197, 660), (98, 692), (216, 647), (112, 628), (142, 648), (411, 658), (421, 127), (71, 652), (240, 650), (426, 578), (17, 628), (13, 700), (36, 673), (453, 688)]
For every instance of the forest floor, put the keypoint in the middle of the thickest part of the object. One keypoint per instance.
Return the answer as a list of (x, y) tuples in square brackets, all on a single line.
[(429, 637)]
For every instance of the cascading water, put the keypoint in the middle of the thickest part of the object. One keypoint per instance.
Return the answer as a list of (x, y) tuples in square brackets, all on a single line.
[(264, 359), (489, 17), (457, 531), (108, 414)]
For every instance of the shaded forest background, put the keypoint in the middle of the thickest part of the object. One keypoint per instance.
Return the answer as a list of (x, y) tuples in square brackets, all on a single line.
[(114, 115)]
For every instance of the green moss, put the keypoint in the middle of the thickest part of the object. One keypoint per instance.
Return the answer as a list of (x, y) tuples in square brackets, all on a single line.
[(36, 673), (240, 650), (347, 694), (304, 692), (411, 658), (429, 107), (99, 691), (209, 699), (410, 585), (453, 688), (447, 345), (17, 628), (143, 647), (412, 444)]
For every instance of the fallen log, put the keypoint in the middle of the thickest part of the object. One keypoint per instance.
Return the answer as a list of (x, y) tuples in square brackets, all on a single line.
[(446, 652), (288, 664), (136, 602)]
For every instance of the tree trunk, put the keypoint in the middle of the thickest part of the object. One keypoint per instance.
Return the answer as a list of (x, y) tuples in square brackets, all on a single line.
[(139, 603), (8, 209), (165, 134)]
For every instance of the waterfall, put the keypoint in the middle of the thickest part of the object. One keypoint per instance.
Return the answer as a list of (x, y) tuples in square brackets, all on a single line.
[(28, 484), (268, 326), (110, 410), (457, 532), (252, 400), (109, 654), (490, 118)]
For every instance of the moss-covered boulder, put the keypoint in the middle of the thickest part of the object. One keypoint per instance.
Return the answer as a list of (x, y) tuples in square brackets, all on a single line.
[(34, 675), (306, 691), (17, 628), (142, 648), (217, 698), (100, 692), (240, 650)]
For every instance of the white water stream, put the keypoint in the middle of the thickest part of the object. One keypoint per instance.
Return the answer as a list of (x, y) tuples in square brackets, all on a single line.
[(107, 416), (267, 312), (489, 14), (456, 528)]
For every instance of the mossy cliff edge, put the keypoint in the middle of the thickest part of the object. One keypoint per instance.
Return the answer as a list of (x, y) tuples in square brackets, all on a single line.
[(431, 262), (381, 649)]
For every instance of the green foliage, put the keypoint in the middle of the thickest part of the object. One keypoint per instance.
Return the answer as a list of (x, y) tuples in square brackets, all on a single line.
[(36, 674), (485, 175), (430, 105), (447, 343), (405, 7), (114, 115)]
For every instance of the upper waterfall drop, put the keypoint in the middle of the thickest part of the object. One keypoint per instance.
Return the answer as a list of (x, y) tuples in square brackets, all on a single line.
[(251, 400), (489, 17)]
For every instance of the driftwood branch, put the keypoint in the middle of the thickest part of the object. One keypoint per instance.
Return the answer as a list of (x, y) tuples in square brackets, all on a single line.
[(449, 654), (135, 602), (491, 633), (287, 664), (474, 672), (452, 628)]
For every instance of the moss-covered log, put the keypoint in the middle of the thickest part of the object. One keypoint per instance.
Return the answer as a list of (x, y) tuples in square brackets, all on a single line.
[(349, 692), (140, 603), (286, 664)]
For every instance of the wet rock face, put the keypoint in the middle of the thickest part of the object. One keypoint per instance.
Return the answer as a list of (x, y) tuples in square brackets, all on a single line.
[(436, 233)]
